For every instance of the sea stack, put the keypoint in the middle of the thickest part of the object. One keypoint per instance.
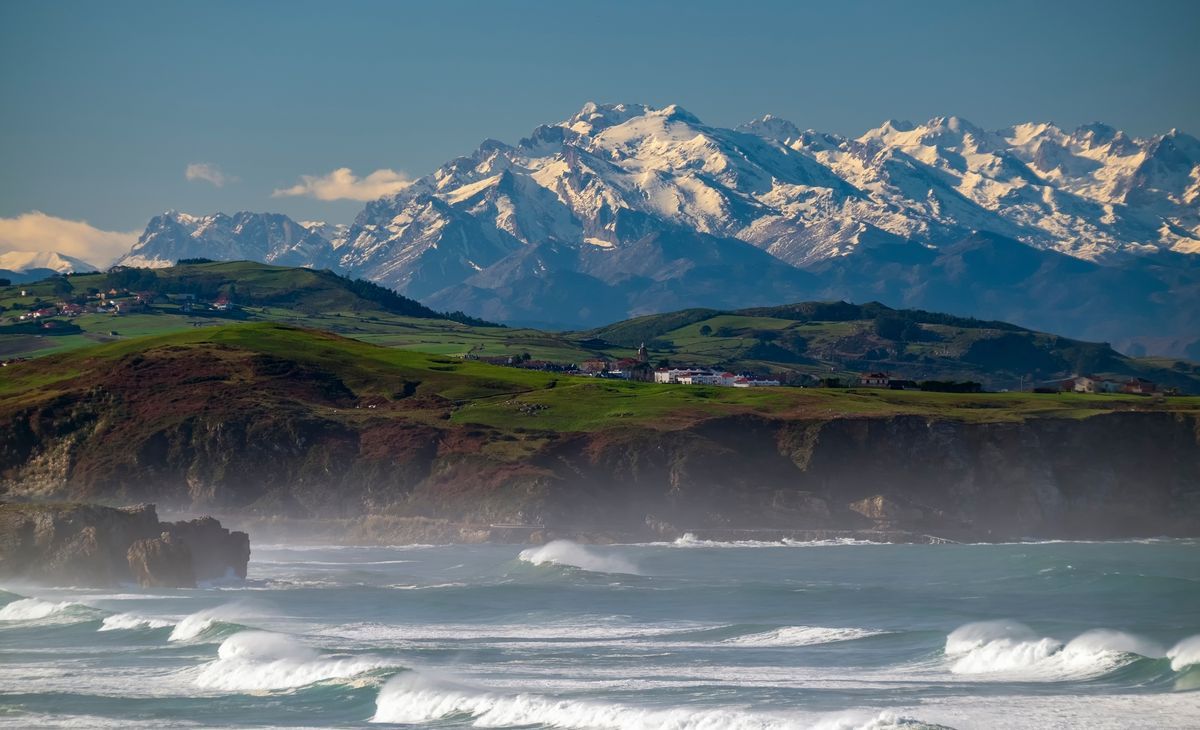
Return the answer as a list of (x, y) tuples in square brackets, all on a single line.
[(90, 545)]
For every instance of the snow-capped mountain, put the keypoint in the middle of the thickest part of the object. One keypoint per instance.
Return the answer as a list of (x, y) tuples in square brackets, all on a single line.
[(334, 233), (611, 174), (268, 237), (26, 261)]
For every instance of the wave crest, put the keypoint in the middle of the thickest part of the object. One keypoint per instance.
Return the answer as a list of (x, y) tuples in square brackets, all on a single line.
[(260, 660), (211, 623), (1009, 648), (35, 609), (1185, 654), (573, 555), (132, 622)]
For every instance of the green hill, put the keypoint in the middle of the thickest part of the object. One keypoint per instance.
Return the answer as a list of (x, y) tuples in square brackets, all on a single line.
[(279, 364), (181, 297), (799, 343), (813, 340)]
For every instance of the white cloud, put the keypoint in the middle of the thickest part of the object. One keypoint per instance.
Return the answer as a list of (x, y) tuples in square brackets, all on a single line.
[(209, 173), (341, 184), (36, 231)]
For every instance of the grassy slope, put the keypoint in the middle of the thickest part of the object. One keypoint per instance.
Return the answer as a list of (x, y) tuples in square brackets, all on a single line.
[(299, 297), (838, 338), (513, 400), (843, 348)]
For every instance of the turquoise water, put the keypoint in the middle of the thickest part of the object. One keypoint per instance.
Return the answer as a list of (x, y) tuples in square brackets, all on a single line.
[(681, 635)]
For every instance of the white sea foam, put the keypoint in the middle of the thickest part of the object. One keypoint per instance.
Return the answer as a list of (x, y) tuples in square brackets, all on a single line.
[(413, 699), (593, 632), (569, 554), (86, 722), (285, 547), (427, 587), (1185, 654), (34, 609), (1012, 650), (260, 660), (802, 636), (126, 597), (689, 540), (130, 622), (333, 563)]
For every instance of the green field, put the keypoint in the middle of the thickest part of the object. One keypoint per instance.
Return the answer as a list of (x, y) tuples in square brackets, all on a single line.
[(392, 382), (800, 344)]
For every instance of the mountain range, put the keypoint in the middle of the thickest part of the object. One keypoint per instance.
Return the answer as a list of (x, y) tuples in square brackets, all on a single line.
[(626, 209)]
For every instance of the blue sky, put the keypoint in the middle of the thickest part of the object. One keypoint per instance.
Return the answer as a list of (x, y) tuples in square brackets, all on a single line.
[(107, 104)]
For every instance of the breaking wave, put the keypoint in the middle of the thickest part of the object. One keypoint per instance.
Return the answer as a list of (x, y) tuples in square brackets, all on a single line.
[(260, 660), (211, 623), (35, 609), (132, 622), (572, 555), (1185, 654), (1012, 649), (412, 699), (802, 636)]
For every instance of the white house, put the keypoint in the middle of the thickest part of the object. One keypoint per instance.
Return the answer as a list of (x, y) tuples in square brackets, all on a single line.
[(673, 375), (754, 383), (1093, 384), (708, 377)]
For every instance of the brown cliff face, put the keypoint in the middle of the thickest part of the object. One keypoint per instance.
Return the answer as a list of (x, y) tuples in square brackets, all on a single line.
[(1116, 475), (80, 544), (1112, 475)]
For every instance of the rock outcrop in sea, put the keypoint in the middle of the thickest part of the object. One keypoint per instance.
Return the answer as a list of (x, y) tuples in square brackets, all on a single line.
[(83, 544)]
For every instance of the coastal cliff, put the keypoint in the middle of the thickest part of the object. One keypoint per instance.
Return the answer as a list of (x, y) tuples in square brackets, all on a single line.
[(82, 544), (1107, 476), (336, 440)]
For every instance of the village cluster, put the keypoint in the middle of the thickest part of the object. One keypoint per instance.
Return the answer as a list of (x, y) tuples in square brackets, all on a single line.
[(116, 302), (1095, 384), (639, 369)]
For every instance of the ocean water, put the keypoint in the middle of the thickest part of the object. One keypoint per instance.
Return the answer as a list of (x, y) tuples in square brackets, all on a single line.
[(685, 635)]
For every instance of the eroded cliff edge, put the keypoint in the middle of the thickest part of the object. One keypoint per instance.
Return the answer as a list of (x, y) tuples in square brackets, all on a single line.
[(92, 545), (1119, 474)]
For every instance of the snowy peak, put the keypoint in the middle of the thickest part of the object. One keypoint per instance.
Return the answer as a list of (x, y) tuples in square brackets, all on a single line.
[(773, 128), (23, 261), (595, 118), (951, 133), (268, 237), (335, 233)]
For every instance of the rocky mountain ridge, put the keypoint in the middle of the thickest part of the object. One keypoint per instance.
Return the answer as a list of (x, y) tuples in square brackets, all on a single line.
[(271, 238)]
